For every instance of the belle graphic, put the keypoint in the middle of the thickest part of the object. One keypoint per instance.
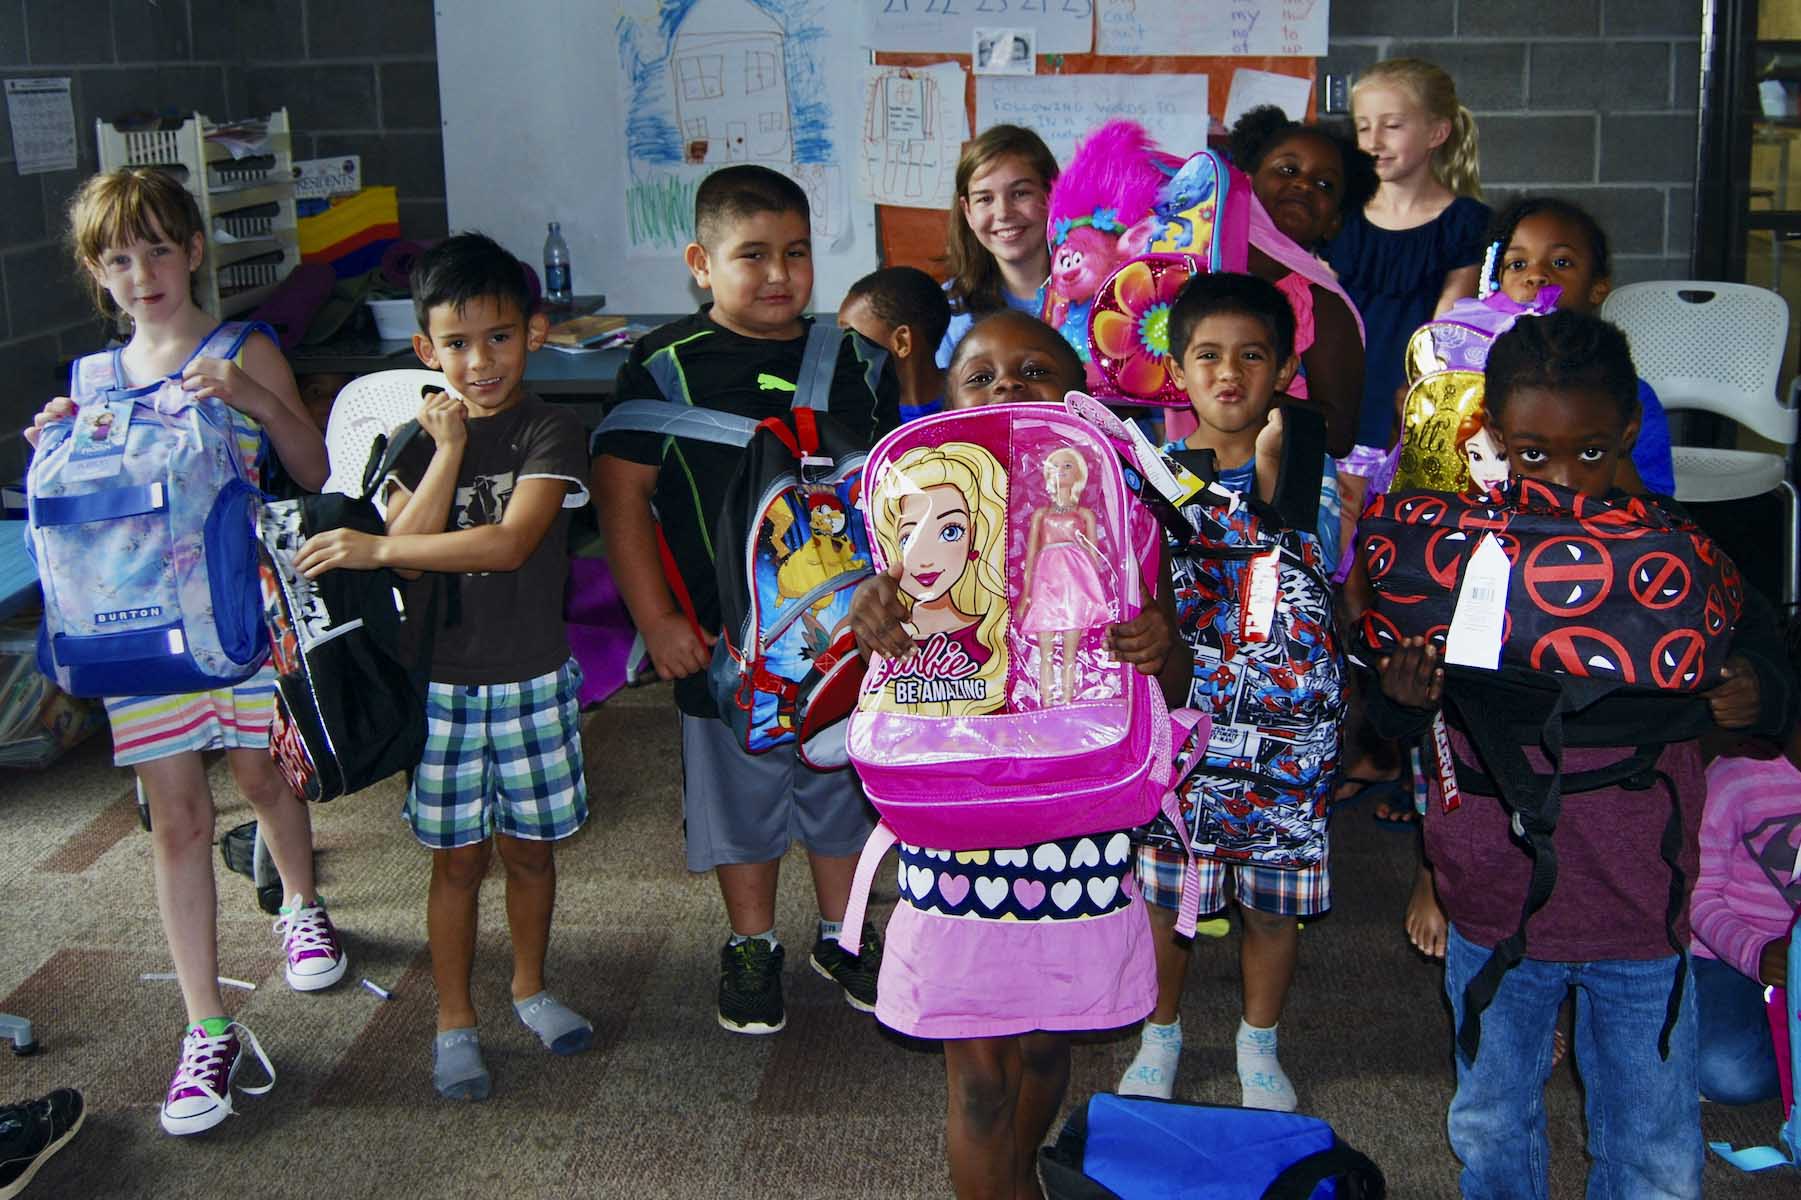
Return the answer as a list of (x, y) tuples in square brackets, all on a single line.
[(1482, 453), (1063, 592), (942, 510)]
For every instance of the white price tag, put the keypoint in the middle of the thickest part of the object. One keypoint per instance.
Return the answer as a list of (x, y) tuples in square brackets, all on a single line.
[(1478, 623)]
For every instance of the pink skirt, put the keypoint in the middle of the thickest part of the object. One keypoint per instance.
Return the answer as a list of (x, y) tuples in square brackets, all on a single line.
[(959, 977)]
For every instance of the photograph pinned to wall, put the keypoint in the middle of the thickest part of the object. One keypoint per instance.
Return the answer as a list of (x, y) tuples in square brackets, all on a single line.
[(1004, 51), (1210, 27), (706, 83), (947, 26), (1253, 89), (914, 126)]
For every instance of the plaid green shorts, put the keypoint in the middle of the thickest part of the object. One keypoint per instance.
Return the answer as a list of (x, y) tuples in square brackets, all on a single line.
[(500, 758)]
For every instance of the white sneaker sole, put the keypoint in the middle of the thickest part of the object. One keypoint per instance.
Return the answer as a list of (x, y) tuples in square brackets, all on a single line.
[(199, 1122), (320, 981), (755, 1028), (8, 1191), (848, 998)]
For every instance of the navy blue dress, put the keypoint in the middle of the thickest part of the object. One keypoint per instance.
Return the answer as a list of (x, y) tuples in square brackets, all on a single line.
[(1395, 277)]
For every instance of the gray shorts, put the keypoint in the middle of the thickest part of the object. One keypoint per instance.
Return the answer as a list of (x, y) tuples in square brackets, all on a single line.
[(749, 808)]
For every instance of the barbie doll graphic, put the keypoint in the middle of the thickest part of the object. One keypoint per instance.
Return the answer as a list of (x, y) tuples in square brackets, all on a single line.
[(942, 511), (1062, 586)]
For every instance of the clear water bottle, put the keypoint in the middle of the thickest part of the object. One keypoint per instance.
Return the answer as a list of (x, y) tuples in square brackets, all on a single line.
[(556, 266)]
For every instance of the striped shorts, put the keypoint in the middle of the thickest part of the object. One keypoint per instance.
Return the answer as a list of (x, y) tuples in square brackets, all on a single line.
[(1302, 892), (228, 718), (500, 758)]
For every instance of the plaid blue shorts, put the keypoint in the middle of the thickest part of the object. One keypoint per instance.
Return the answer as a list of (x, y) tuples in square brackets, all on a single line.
[(1302, 892), (500, 758)]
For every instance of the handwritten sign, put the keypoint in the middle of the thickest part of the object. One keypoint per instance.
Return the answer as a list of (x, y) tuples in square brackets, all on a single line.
[(949, 26), (1263, 27), (1063, 108)]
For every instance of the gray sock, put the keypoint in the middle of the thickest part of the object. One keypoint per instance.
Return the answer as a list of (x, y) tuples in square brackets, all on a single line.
[(457, 1070), (562, 1030)]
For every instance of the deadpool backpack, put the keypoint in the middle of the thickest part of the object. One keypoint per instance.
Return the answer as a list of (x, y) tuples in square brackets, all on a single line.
[(1618, 614), (788, 554)]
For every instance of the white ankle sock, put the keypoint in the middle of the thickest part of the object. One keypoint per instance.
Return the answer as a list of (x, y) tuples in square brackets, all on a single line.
[(1261, 1080), (1153, 1069)]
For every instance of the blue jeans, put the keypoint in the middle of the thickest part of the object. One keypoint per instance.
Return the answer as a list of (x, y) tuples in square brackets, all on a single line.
[(1644, 1112), (1737, 1063)]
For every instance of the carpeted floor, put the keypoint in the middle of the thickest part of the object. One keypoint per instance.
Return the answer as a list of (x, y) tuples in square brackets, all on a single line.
[(666, 1103)]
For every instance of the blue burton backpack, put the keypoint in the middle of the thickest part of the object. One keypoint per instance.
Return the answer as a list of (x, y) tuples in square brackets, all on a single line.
[(1143, 1148), (143, 527)]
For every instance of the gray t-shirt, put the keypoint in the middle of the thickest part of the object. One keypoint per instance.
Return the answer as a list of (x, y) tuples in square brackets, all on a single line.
[(509, 624)]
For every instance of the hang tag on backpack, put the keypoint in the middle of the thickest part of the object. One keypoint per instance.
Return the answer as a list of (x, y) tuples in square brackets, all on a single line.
[(99, 449), (1450, 796), (1257, 606), (1480, 619)]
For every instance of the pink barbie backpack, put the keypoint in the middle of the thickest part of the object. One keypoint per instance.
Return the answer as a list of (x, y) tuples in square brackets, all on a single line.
[(1021, 538)]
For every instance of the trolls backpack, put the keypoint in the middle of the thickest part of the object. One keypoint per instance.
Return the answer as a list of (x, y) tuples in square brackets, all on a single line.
[(1785, 1027), (1200, 225), (1143, 1148), (352, 655), (143, 527), (1021, 542), (1257, 789), (789, 554)]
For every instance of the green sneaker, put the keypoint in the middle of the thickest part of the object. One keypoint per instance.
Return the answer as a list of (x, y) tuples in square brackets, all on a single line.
[(750, 987), (855, 973)]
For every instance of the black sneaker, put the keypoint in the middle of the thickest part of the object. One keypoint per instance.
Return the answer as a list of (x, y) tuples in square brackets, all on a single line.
[(855, 973), (30, 1133), (750, 987)]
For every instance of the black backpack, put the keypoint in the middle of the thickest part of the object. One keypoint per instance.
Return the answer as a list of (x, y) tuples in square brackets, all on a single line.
[(352, 649)]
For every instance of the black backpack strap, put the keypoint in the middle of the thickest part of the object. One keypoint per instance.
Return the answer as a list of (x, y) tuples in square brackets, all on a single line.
[(818, 365), (1535, 802), (384, 455), (1671, 848), (1296, 498), (1357, 1177)]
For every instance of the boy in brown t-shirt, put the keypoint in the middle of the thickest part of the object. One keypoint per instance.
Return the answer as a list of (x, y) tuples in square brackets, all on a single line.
[(488, 499)]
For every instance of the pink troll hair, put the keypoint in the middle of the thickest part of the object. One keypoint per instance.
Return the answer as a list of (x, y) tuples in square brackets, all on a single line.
[(1116, 169)]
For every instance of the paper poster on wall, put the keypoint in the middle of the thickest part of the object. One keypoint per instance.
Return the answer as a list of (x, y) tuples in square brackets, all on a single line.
[(1264, 27), (948, 26), (705, 83), (43, 124), (914, 126), (1253, 89), (1063, 108)]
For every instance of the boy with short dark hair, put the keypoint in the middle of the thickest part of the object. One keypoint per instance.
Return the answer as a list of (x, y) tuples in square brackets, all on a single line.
[(1235, 340), (903, 309), (740, 354), (486, 496)]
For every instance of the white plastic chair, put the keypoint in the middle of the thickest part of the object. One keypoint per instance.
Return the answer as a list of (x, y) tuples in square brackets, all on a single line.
[(1717, 347), (368, 406)]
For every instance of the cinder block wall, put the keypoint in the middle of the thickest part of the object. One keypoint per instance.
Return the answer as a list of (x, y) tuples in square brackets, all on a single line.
[(1594, 100), (356, 77)]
